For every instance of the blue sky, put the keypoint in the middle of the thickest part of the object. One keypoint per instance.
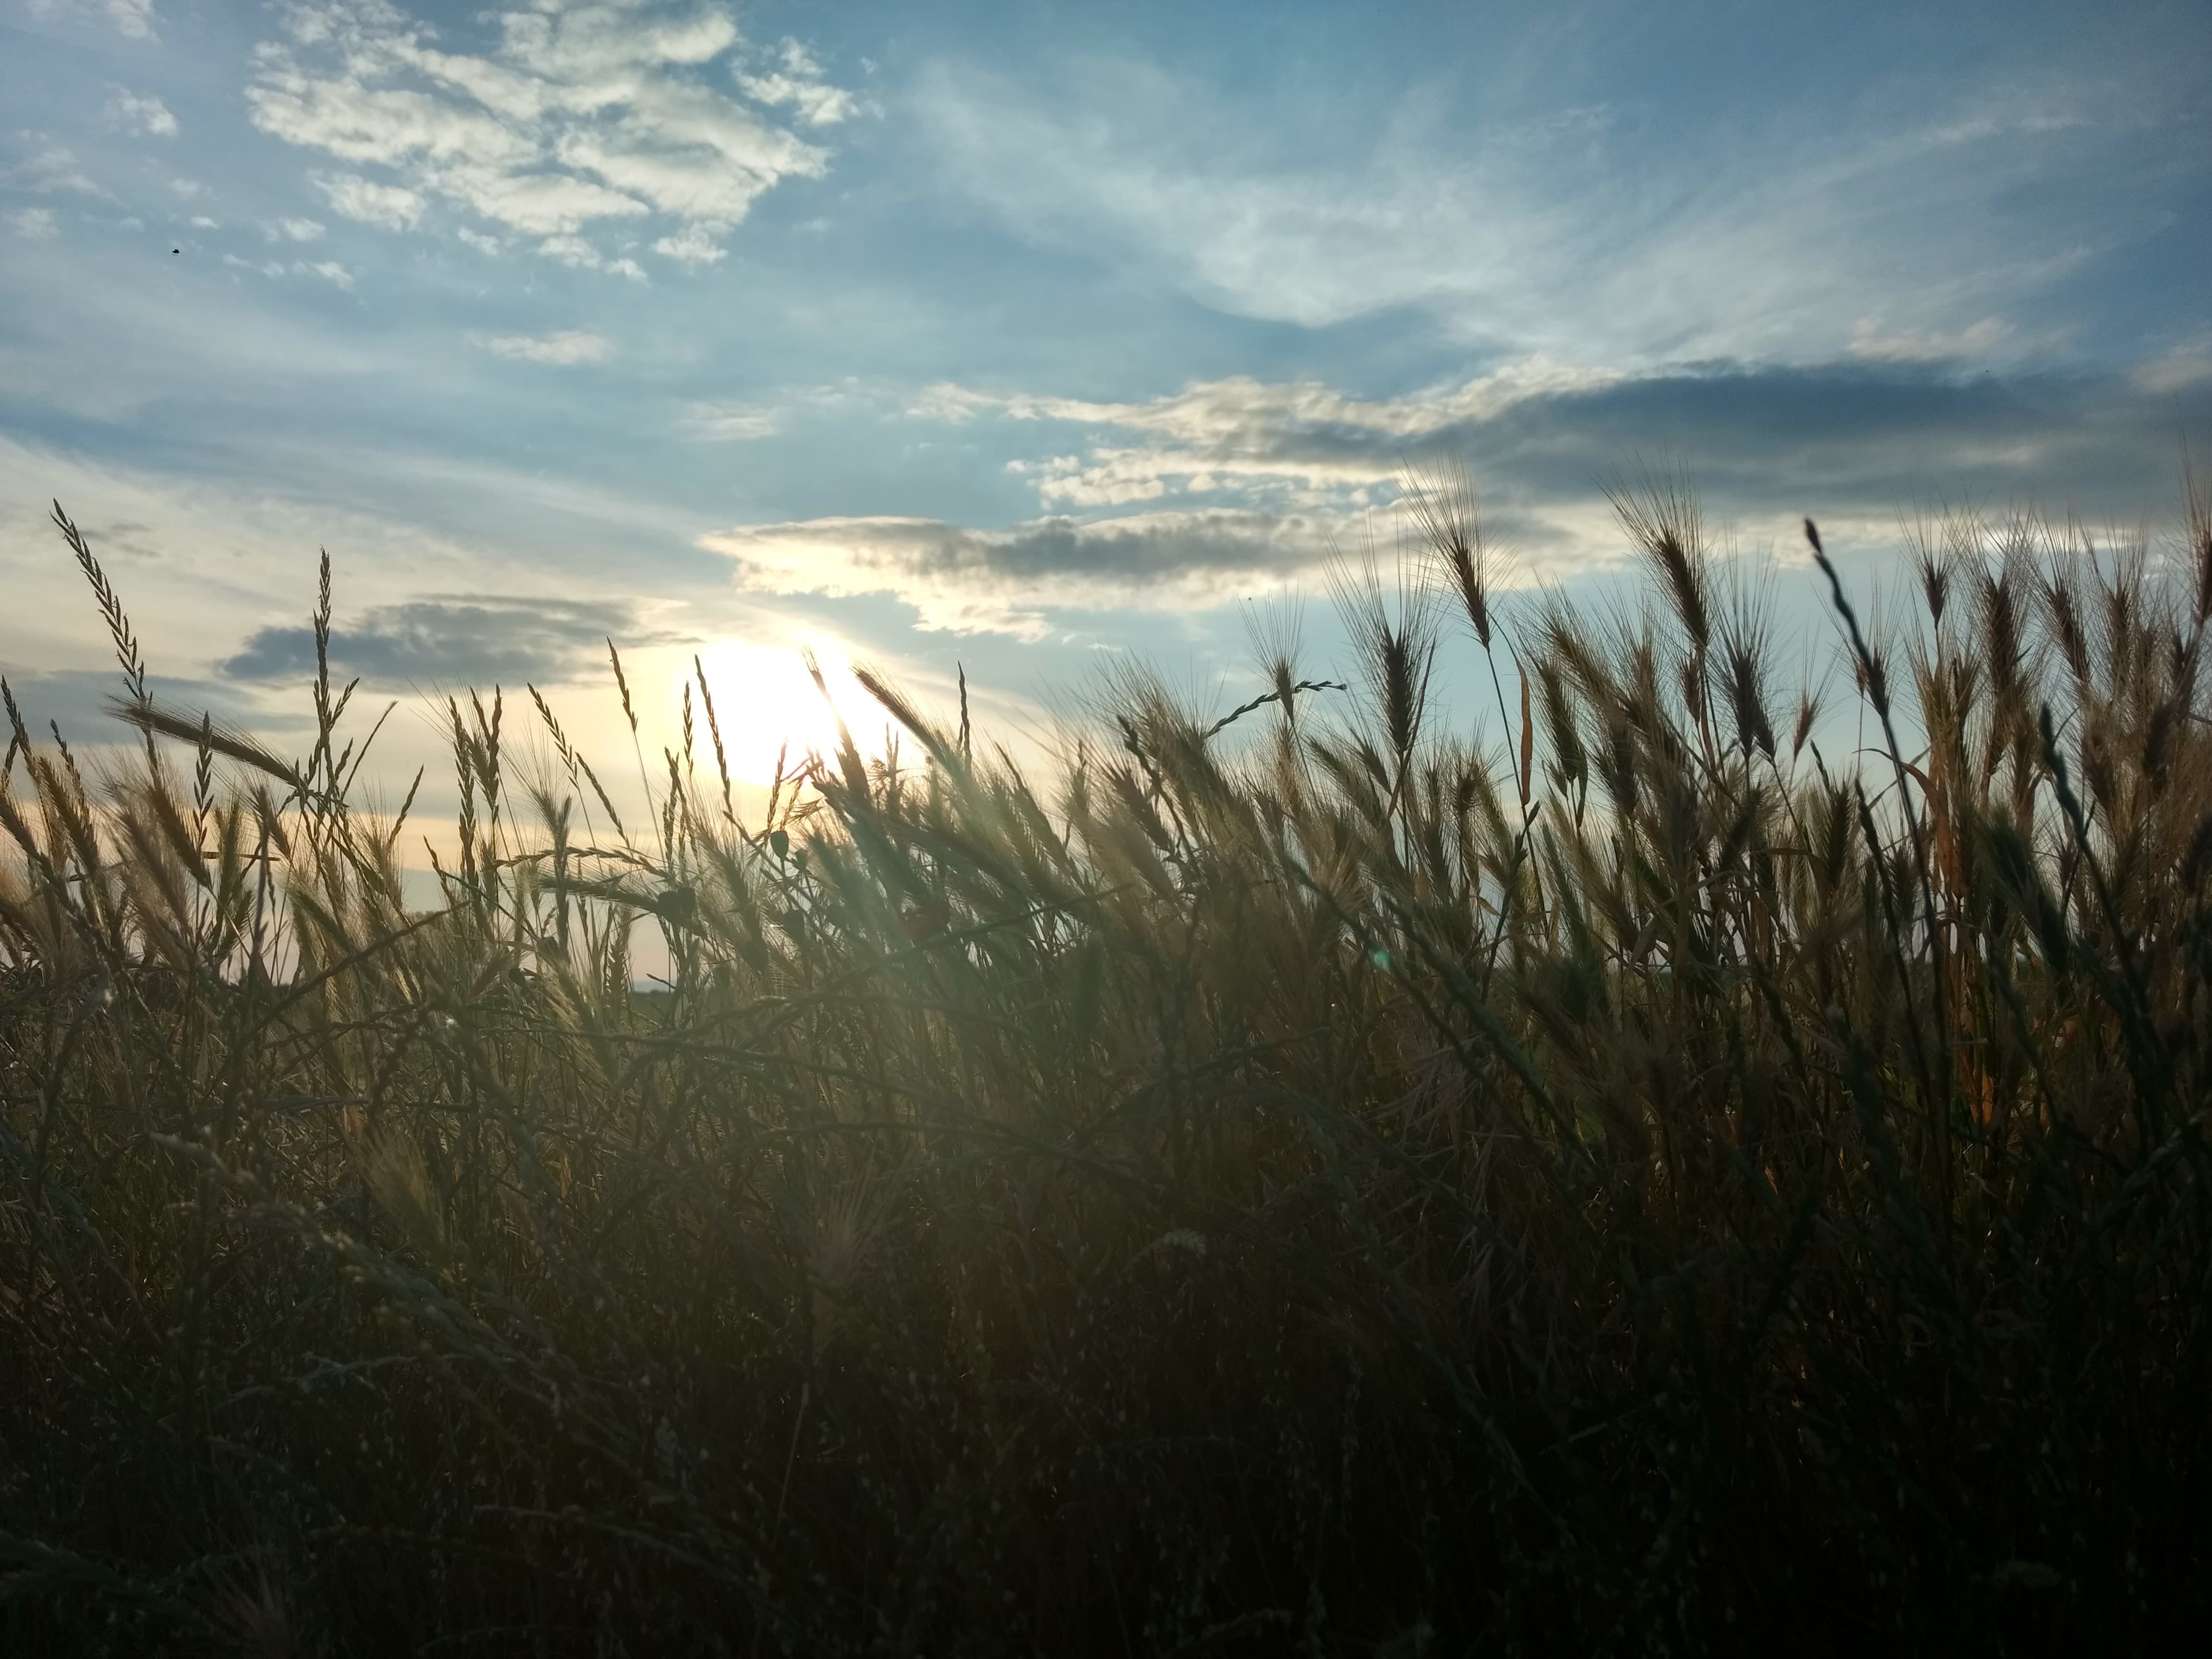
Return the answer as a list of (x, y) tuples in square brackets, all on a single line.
[(1016, 336)]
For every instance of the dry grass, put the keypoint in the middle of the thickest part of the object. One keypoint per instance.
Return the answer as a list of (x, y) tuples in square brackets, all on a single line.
[(1640, 1183)]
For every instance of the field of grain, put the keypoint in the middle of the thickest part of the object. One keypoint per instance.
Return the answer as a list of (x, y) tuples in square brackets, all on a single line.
[(1618, 1175)]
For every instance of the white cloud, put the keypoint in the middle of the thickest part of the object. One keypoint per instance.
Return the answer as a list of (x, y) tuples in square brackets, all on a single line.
[(695, 245), (1569, 239), (33, 224), (185, 189), (201, 221), (328, 270), (1272, 460), (51, 169), (292, 230), (146, 116), (800, 84), (580, 114), (1237, 487), (571, 250), (955, 405), (479, 241), (1299, 443), (731, 423), (546, 205), (568, 347), (2187, 365), (1873, 341), (579, 255), (1008, 581), (388, 206), (211, 559)]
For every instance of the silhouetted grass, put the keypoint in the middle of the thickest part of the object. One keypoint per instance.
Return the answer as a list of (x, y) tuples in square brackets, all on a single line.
[(1620, 1181)]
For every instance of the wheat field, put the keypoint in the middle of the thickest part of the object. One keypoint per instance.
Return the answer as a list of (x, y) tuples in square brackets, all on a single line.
[(1619, 1175)]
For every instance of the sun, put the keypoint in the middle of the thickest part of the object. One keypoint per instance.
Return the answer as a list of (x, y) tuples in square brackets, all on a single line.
[(767, 705)]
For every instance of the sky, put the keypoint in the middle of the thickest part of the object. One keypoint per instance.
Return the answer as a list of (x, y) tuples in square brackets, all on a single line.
[(1021, 340)]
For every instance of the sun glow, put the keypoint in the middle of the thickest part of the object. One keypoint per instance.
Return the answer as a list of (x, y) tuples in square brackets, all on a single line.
[(767, 705)]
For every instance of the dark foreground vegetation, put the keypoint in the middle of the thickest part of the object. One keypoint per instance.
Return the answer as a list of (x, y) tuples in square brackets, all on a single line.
[(1667, 1180)]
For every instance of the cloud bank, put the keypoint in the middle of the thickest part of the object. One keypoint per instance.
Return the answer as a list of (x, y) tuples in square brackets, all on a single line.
[(569, 346), (142, 114), (447, 641), (1585, 234), (1009, 582), (1866, 428), (1246, 487), (586, 114)]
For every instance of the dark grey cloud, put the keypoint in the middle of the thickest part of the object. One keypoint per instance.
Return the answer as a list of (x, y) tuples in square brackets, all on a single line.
[(1850, 438), (1869, 430), (1005, 581), (1855, 440), (125, 536), (1150, 547), (452, 640), (79, 701)]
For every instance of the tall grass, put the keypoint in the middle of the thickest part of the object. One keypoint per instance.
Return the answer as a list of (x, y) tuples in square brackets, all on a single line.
[(1616, 1177)]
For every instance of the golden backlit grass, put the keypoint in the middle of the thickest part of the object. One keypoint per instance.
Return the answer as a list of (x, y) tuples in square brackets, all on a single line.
[(1614, 1178)]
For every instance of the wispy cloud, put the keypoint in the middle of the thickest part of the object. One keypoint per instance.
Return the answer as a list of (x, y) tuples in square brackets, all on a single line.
[(134, 19), (1028, 331), (328, 270), (731, 423), (578, 254), (693, 245), (1243, 485), (568, 347), (146, 116), (389, 207), (1575, 239), (49, 169), (1898, 427), (1301, 440), (1872, 340), (451, 641), (2185, 367), (1008, 581), (582, 114), (798, 82)]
